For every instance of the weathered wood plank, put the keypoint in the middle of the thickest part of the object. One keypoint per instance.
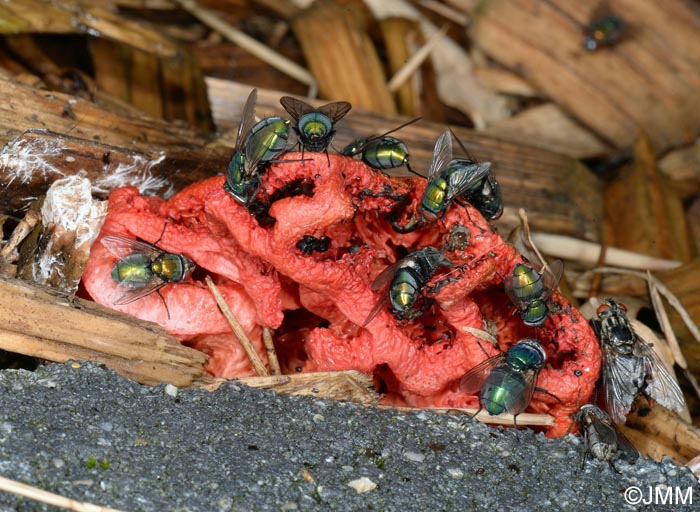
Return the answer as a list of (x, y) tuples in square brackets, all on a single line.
[(23, 107), (42, 323)]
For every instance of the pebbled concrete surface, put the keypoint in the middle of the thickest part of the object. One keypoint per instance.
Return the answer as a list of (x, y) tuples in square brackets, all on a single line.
[(91, 435)]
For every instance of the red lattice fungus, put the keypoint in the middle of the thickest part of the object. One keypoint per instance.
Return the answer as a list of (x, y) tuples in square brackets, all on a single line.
[(317, 300)]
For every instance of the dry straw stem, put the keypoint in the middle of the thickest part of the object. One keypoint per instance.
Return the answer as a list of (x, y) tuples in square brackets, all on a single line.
[(258, 49), (271, 354), (525, 419), (237, 328), (588, 253), (50, 498), (416, 60)]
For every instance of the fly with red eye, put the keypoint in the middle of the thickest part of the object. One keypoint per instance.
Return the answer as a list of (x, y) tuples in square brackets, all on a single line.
[(630, 365)]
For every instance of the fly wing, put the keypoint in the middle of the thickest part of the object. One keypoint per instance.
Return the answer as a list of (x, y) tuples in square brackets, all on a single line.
[(625, 448), (336, 110), (126, 295), (618, 383), (247, 119), (466, 179), (519, 404), (296, 108), (660, 384), (551, 276), (380, 284), (442, 155), (473, 380), (122, 246), (607, 433)]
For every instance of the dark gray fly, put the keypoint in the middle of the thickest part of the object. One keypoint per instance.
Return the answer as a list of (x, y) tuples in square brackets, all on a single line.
[(630, 365), (601, 439)]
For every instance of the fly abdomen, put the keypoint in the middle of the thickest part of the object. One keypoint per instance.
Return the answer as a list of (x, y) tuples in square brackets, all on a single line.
[(385, 153), (133, 271), (267, 139), (405, 289), (503, 391), (433, 202)]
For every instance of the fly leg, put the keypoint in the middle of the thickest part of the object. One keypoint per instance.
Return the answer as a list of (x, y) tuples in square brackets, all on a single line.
[(544, 391), (164, 304)]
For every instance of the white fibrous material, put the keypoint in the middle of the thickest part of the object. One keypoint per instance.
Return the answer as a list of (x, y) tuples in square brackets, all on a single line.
[(68, 208), (25, 160), (138, 173)]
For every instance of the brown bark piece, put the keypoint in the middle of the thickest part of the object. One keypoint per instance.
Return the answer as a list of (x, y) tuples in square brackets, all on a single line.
[(341, 55), (643, 214)]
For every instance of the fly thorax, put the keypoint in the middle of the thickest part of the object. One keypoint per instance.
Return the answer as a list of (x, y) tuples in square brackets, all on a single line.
[(525, 355), (314, 125), (236, 167), (168, 267)]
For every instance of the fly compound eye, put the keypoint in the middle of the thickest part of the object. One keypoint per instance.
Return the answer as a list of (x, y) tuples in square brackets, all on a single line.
[(602, 309), (622, 306)]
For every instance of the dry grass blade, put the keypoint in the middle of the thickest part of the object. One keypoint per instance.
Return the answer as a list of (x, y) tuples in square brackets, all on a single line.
[(50, 498), (665, 323), (481, 334), (237, 328), (416, 60), (344, 385), (258, 49), (528, 239), (525, 419)]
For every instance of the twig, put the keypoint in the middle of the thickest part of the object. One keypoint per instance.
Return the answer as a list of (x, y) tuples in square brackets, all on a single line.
[(34, 493), (524, 419), (446, 12), (587, 253), (237, 328), (271, 354), (526, 229), (664, 322), (415, 61), (255, 47)]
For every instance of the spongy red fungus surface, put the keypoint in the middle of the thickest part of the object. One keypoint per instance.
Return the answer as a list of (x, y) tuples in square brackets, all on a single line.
[(316, 303)]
